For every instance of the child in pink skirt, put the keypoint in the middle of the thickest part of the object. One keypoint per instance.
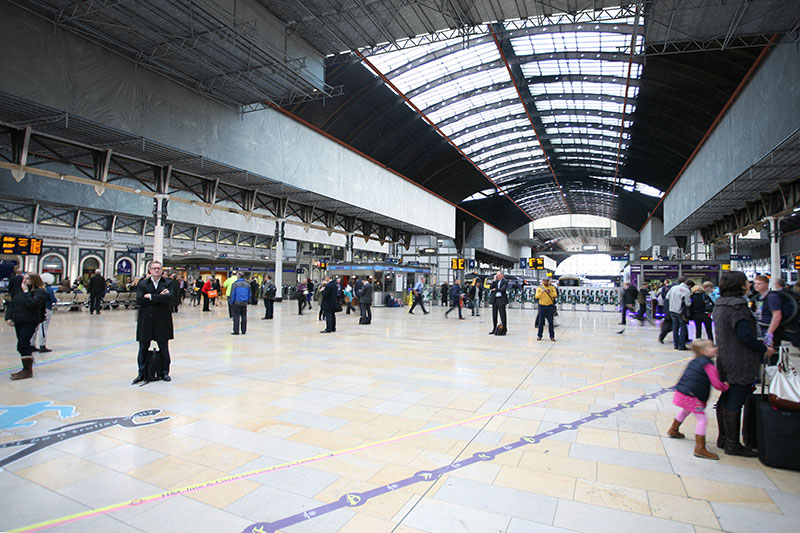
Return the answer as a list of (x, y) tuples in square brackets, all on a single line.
[(691, 394)]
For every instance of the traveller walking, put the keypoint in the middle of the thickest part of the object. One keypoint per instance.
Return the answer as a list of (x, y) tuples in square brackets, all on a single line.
[(269, 291), (348, 298), (691, 395), (679, 302), (499, 295), (24, 313), (629, 295), (239, 300), (701, 309), (309, 292), (48, 280), (740, 357), (329, 304), (546, 296), (418, 287), (300, 296), (153, 295), (176, 293), (97, 288), (455, 296)]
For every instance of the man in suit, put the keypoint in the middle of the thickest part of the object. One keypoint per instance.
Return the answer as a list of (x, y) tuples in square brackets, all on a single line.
[(155, 319), (364, 294), (499, 294), (329, 303), (15, 282), (97, 288), (270, 290)]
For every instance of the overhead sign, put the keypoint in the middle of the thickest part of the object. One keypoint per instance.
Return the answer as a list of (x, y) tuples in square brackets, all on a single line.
[(457, 263), (426, 251), (784, 262), (536, 263), (139, 250), (14, 245), (645, 258), (472, 263), (619, 257), (797, 261), (222, 256), (523, 262)]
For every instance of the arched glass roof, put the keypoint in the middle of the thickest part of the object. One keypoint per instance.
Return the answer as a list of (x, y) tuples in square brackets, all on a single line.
[(568, 87)]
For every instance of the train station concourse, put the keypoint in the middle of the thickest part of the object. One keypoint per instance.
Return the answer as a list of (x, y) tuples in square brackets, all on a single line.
[(404, 266)]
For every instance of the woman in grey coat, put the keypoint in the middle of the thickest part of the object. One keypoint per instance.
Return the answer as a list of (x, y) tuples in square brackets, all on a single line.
[(739, 359)]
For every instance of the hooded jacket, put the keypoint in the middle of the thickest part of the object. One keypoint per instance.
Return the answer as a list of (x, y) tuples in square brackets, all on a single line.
[(740, 352)]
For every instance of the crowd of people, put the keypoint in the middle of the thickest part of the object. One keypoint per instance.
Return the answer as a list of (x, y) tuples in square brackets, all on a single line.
[(745, 322)]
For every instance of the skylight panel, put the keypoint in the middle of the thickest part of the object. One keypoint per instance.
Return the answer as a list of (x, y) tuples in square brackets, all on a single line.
[(463, 137), (479, 100), (460, 85), (480, 118), (531, 149), (648, 190)]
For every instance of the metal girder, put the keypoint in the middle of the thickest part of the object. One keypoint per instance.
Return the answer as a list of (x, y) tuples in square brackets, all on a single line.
[(80, 9), (20, 141), (210, 191), (183, 44), (521, 27), (329, 92), (777, 203), (163, 177), (672, 47)]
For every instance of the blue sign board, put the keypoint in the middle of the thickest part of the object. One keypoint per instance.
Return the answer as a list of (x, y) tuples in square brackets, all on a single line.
[(139, 250), (472, 263), (124, 267), (737, 257), (784, 262), (222, 256), (523, 263), (619, 258)]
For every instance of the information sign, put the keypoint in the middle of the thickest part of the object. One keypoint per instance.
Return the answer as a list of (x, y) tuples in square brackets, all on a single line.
[(457, 263), (14, 245)]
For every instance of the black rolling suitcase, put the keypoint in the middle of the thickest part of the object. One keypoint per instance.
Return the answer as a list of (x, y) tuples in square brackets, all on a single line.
[(778, 436)]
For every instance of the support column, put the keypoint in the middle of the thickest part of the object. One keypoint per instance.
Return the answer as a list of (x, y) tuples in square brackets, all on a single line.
[(280, 227), (348, 247), (160, 213), (774, 250), (734, 250)]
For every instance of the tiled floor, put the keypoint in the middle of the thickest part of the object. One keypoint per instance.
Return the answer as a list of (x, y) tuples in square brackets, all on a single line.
[(415, 423)]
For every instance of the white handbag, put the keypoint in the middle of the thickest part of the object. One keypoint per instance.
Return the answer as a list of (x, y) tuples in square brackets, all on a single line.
[(784, 391)]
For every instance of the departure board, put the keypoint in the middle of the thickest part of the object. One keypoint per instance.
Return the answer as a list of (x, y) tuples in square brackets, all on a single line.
[(13, 245)]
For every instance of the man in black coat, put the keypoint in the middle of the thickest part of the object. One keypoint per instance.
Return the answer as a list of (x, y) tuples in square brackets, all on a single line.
[(329, 303), (254, 291), (364, 293), (629, 296), (155, 319), (499, 295), (97, 288)]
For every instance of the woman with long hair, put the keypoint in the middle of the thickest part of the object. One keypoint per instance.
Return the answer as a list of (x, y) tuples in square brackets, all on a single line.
[(25, 312)]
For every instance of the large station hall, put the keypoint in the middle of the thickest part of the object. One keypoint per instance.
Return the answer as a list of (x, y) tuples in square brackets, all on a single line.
[(400, 266)]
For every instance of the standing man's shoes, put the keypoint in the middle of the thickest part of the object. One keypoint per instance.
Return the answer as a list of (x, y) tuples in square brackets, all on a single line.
[(234, 333), (138, 379), (166, 377), (324, 331), (44, 349)]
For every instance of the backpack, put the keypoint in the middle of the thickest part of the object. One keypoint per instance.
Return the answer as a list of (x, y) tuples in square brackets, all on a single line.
[(152, 369), (790, 307), (272, 290)]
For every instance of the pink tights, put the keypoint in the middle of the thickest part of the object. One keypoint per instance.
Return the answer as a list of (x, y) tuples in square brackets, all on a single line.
[(700, 425)]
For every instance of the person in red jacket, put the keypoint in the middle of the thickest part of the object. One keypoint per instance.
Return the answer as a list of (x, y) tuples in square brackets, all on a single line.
[(206, 288)]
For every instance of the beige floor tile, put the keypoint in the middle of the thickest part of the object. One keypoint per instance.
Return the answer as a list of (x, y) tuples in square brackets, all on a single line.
[(389, 453), (361, 523), (327, 439), (220, 457), (167, 471), (613, 496), (716, 491), (762, 507), (641, 479), (176, 444), (219, 496), (636, 442), (681, 509), (598, 437), (555, 464), (59, 473), (785, 480), (536, 482)]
